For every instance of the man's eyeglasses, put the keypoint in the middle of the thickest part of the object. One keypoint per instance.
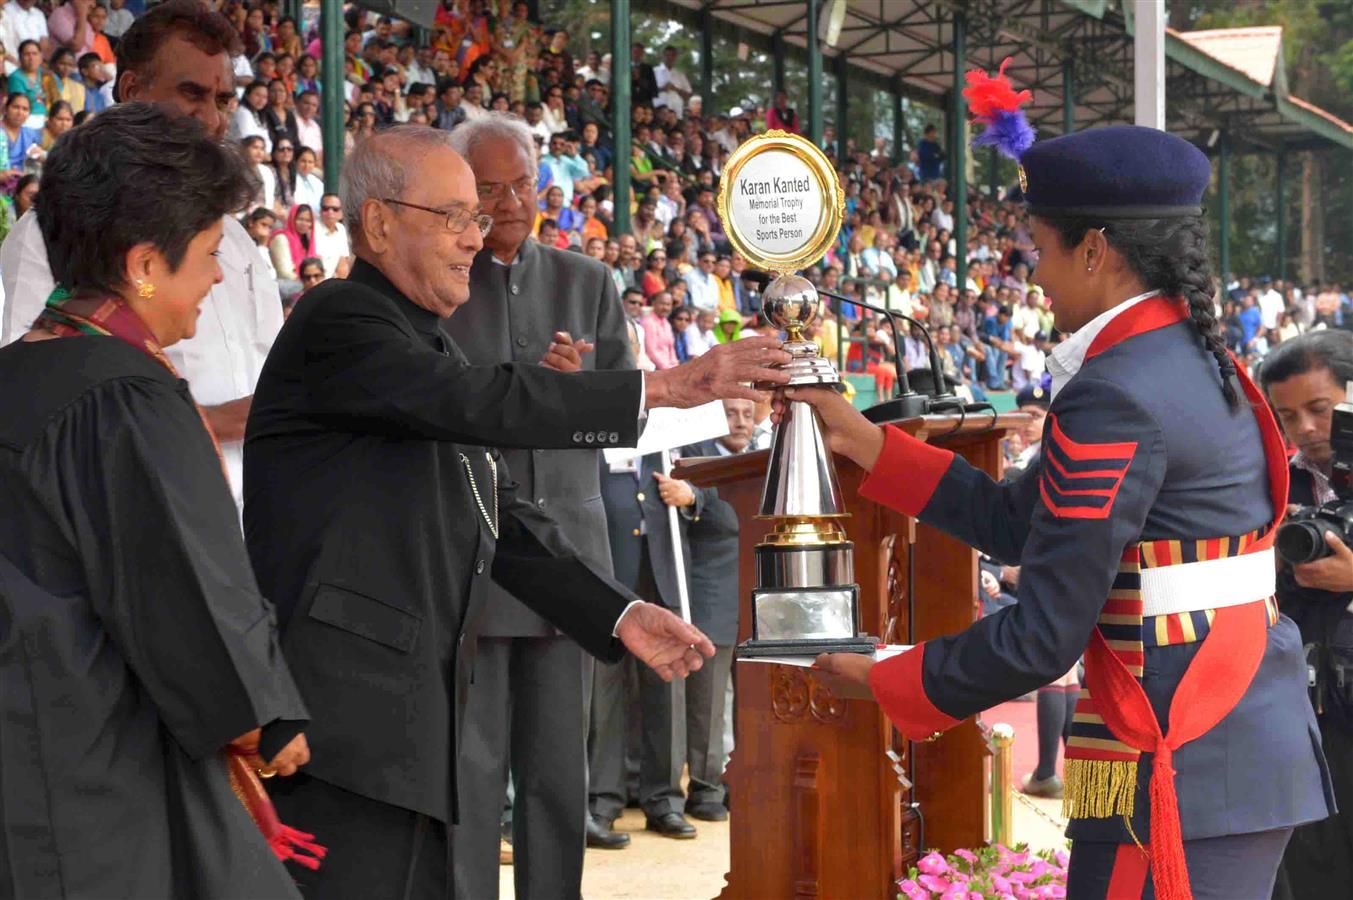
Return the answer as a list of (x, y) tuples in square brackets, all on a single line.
[(458, 218), (331, 209), (285, 148), (522, 190)]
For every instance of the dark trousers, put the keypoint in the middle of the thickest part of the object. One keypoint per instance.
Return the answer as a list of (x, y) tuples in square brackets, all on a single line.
[(1320, 854), (660, 756), (1232, 867), (527, 705), (375, 850), (705, 700)]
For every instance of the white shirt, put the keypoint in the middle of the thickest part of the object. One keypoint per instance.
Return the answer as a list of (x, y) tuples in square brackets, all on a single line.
[(268, 178), (310, 133), (668, 79), (331, 246), (11, 41), (28, 24), (1270, 306), (265, 254), (240, 319), (243, 125), (702, 289), (309, 191), (1066, 358)]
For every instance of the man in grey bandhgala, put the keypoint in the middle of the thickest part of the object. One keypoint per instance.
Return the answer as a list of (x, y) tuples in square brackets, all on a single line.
[(135, 648), (528, 703), (376, 517)]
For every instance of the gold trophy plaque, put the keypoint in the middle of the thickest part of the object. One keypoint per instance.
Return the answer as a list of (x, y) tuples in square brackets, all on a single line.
[(782, 207)]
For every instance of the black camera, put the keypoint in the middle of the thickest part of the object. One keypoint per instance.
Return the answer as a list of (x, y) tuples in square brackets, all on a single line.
[(1301, 539)]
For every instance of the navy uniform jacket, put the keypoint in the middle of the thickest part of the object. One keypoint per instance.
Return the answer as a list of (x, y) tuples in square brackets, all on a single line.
[(636, 517), (714, 562), (1189, 468)]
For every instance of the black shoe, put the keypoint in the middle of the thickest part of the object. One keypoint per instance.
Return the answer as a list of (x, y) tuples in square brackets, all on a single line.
[(672, 825), (707, 812), (600, 835)]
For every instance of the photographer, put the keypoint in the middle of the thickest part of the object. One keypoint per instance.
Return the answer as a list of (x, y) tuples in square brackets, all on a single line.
[(1304, 380)]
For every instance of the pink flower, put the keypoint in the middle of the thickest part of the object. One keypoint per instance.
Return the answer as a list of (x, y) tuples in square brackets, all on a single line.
[(933, 883), (913, 891), (1063, 858), (1021, 877), (966, 855), (933, 864), (1000, 883)]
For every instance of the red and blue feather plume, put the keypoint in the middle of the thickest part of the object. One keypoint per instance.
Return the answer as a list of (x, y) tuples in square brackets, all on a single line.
[(995, 103)]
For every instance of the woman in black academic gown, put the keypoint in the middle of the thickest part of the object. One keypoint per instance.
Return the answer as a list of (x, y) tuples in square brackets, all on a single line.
[(135, 648)]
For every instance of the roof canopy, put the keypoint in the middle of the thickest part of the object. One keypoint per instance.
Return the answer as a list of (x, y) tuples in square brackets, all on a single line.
[(1224, 80)]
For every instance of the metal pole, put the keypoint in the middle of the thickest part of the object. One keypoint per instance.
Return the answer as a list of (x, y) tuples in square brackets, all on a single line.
[(958, 178), (706, 57), (814, 74), (1068, 96), (1002, 784), (1224, 201), (1148, 63), (674, 529), (1281, 200), (777, 53), (899, 121), (620, 114), (331, 98), (842, 107)]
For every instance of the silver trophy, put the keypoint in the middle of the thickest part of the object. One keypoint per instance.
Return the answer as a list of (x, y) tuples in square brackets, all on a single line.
[(806, 600)]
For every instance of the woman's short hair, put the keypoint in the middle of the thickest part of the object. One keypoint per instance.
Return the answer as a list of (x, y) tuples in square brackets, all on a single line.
[(134, 174)]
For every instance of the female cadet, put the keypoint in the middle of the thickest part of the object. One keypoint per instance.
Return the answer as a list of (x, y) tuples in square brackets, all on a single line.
[(1144, 535)]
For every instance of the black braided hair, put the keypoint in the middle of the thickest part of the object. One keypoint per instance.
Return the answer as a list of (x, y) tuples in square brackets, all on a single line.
[(1169, 255)]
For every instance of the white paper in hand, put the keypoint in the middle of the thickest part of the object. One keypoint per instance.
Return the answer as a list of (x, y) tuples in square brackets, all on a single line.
[(668, 429)]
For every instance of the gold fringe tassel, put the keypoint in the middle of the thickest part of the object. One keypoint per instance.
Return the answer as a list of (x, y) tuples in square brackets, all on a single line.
[(1098, 788)]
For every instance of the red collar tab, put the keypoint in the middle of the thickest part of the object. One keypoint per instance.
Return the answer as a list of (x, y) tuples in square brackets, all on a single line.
[(1148, 315)]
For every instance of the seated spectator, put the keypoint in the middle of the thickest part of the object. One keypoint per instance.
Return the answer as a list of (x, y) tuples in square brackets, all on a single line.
[(331, 238), (60, 119), (249, 120), (312, 273), (550, 235), (703, 285), (59, 84), (259, 224), (21, 199), (659, 339), (284, 172), (781, 115), (654, 280), (22, 144), (729, 326), (290, 245), (98, 86), (119, 19), (309, 187), (278, 116), (27, 80), (564, 165), (252, 147), (101, 45), (686, 337)]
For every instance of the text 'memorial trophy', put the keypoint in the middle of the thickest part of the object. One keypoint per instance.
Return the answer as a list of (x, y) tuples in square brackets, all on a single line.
[(782, 207)]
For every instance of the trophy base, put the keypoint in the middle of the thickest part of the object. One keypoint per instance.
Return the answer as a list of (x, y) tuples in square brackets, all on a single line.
[(754, 649)]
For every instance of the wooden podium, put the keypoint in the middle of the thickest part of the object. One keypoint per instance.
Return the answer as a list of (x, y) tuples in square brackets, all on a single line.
[(821, 788)]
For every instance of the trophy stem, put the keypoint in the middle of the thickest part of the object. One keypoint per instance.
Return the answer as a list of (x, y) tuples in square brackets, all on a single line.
[(801, 479)]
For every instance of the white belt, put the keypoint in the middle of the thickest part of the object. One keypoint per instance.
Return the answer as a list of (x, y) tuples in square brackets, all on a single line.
[(1208, 584)]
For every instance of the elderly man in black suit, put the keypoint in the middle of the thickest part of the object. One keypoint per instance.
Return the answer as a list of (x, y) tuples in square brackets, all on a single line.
[(376, 518), (528, 705)]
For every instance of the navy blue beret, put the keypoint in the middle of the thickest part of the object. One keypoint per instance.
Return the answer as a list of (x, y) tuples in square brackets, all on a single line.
[(1033, 395), (1120, 171)]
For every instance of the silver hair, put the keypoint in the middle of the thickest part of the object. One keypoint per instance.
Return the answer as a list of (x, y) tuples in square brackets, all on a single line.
[(495, 126), (371, 171)]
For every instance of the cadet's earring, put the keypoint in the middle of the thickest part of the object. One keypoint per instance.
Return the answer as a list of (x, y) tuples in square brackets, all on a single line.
[(144, 289)]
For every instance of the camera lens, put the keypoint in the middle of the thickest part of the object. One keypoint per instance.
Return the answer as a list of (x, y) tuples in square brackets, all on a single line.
[(1302, 542)]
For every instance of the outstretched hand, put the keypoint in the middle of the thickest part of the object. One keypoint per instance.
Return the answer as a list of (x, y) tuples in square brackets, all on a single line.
[(853, 667), (849, 433), (662, 641), (724, 372)]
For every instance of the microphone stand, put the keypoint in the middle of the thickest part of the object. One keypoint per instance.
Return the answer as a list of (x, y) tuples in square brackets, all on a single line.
[(907, 403)]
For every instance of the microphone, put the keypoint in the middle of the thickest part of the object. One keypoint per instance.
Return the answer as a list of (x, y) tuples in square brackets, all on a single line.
[(905, 403)]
